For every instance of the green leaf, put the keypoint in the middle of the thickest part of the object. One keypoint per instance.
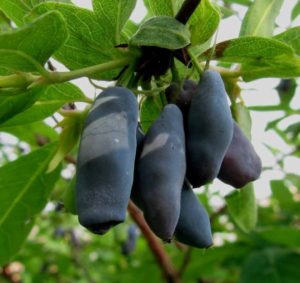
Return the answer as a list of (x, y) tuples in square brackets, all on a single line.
[(163, 8), (163, 31), (13, 105), (16, 9), (295, 11), (38, 39), (241, 2), (271, 265), (88, 43), (69, 137), (209, 264), (129, 29), (66, 92), (251, 48), (204, 22), (226, 12), (281, 235), (4, 23), (51, 98), (24, 190), (37, 112), (272, 124), (285, 66), (14, 60), (294, 179), (69, 197), (34, 133), (291, 37), (113, 15), (242, 207), (151, 108), (284, 198), (292, 132), (243, 118), (260, 18)]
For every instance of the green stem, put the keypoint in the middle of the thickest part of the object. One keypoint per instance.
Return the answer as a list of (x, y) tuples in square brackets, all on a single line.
[(212, 52), (150, 91), (61, 77), (17, 80), (194, 59)]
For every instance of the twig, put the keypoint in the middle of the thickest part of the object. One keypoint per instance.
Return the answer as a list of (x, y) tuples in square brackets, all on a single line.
[(186, 261), (186, 10), (170, 273)]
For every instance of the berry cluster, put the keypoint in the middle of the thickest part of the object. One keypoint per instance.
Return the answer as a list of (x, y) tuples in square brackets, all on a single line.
[(193, 141)]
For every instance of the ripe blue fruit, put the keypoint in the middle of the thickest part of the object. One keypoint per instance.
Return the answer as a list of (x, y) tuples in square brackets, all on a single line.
[(193, 227), (106, 160), (160, 172), (181, 96), (241, 163), (209, 129)]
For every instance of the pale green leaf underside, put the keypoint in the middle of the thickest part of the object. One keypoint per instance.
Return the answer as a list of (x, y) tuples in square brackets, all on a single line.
[(50, 100), (162, 31), (13, 105), (260, 18), (281, 67), (296, 11), (204, 22), (291, 37), (39, 39), (113, 15), (88, 43), (13, 60), (38, 111), (24, 190), (251, 48), (129, 29), (163, 8), (66, 92), (16, 9)]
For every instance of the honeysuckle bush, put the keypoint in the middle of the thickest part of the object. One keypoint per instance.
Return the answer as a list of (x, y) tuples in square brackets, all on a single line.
[(40, 239)]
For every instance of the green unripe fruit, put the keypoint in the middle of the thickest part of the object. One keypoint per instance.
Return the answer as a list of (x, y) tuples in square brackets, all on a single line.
[(241, 163), (160, 172), (193, 227), (209, 129), (106, 160)]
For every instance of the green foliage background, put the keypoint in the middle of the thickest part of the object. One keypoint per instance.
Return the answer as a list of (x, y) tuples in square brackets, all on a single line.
[(40, 238)]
